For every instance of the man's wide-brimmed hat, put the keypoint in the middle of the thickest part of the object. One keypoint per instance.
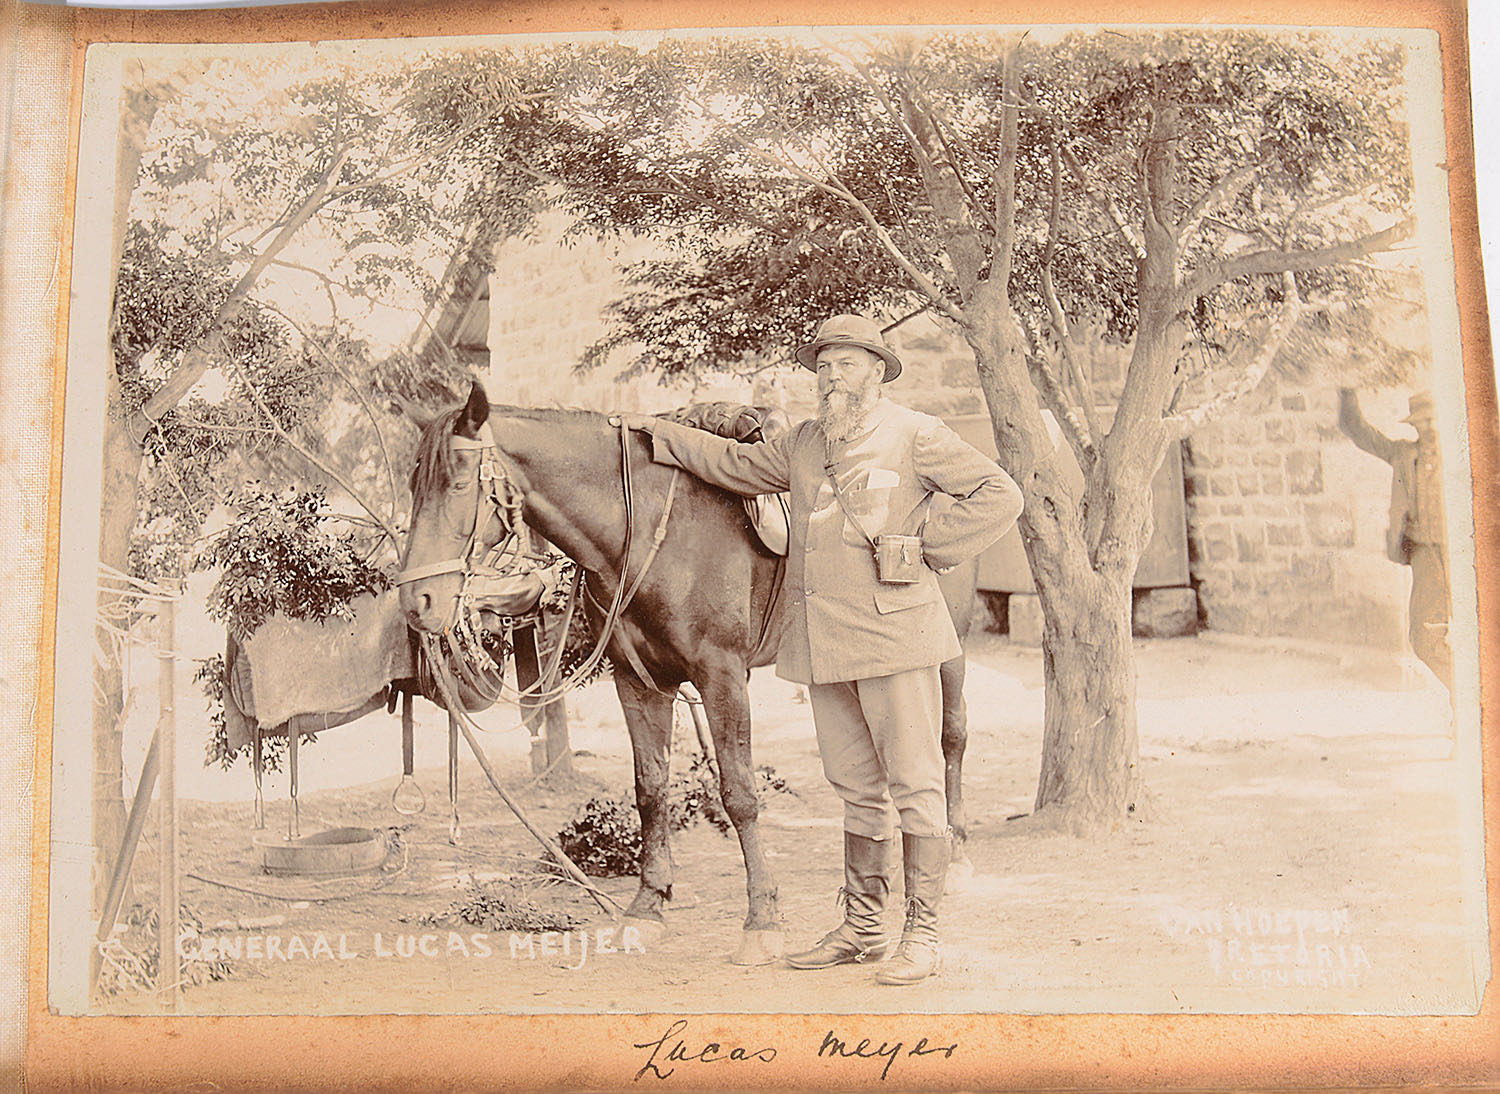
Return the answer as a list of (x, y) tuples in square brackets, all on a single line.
[(1420, 407), (850, 330)]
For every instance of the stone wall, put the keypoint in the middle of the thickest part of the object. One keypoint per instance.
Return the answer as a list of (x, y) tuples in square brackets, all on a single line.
[(1287, 520), (547, 299)]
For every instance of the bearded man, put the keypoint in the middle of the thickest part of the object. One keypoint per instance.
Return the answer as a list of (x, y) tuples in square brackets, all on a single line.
[(868, 644)]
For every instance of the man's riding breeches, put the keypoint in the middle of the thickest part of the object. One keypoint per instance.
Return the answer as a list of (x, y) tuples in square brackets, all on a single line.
[(881, 743)]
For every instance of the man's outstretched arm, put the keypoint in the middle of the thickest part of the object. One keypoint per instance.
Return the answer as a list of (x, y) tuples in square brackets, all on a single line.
[(748, 469)]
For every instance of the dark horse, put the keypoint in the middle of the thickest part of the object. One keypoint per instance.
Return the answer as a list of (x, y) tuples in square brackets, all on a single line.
[(703, 611)]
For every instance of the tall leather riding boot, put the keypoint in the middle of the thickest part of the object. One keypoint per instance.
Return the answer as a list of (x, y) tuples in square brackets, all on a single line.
[(861, 937), (925, 866)]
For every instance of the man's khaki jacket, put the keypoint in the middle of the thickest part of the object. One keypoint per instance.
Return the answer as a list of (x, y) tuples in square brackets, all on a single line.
[(844, 623)]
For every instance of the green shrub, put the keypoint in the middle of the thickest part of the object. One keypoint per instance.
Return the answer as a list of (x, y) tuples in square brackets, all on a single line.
[(604, 839), (133, 959)]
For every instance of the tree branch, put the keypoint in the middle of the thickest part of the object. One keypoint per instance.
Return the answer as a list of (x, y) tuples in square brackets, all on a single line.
[(1082, 440), (942, 128), (1106, 204), (1005, 171), (426, 155), (287, 439), (1220, 191), (197, 359), (1274, 262), (359, 395), (838, 190), (1056, 400), (1183, 423)]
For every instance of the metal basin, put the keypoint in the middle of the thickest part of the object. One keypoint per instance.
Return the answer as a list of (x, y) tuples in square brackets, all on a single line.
[(334, 852)]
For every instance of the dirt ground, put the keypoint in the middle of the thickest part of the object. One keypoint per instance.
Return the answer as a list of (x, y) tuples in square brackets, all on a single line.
[(1310, 847)]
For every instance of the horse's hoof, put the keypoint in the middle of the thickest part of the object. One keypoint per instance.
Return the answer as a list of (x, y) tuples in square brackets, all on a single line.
[(960, 874), (760, 948), (645, 933)]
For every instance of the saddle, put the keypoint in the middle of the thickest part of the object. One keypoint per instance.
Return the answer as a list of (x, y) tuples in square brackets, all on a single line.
[(768, 514)]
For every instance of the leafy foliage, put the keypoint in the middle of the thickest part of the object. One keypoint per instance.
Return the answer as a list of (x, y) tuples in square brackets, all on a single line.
[(280, 556), (579, 642), (604, 839), (695, 794), (282, 203), (132, 962), (785, 182), (502, 905), (210, 676)]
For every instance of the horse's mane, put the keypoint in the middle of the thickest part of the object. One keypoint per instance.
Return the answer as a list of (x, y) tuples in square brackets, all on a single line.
[(433, 471)]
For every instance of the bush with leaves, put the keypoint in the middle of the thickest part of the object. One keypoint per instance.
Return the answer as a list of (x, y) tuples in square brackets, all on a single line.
[(604, 839), (694, 794), (132, 960), (280, 555), (580, 640), (210, 678), (502, 905)]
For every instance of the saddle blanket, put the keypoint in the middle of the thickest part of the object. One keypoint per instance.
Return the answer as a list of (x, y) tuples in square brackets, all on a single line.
[(337, 667)]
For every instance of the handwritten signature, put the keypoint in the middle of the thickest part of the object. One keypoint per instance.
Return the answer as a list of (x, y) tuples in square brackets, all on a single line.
[(672, 1048), (835, 1048), (712, 1052)]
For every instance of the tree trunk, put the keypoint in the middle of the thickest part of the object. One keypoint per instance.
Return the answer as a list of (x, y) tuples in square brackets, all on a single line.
[(117, 517), (1091, 746), (1090, 776)]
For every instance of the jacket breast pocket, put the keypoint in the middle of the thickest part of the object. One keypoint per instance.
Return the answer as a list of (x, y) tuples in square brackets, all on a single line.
[(896, 598), (872, 508)]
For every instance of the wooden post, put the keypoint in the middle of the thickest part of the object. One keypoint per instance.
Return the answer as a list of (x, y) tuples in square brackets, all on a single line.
[(528, 672), (455, 831), (293, 808), (168, 981), (139, 810), (550, 748)]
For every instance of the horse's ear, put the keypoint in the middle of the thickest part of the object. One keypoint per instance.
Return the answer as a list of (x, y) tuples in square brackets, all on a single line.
[(415, 413), (475, 413)]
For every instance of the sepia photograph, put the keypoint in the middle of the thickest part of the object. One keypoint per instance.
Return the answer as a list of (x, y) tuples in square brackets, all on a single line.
[(819, 522)]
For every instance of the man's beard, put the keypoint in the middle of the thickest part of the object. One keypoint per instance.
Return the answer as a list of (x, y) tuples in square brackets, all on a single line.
[(842, 411)]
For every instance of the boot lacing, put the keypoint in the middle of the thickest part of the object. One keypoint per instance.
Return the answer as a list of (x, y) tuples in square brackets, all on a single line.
[(913, 907)]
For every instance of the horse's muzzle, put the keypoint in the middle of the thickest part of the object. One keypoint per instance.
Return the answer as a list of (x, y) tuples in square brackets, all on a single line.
[(421, 611)]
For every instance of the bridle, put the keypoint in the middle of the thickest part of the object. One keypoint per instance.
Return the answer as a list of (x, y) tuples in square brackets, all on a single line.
[(512, 557), (505, 498)]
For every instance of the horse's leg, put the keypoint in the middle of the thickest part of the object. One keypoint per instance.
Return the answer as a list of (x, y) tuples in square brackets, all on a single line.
[(728, 706), (959, 588), (955, 739), (648, 716)]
